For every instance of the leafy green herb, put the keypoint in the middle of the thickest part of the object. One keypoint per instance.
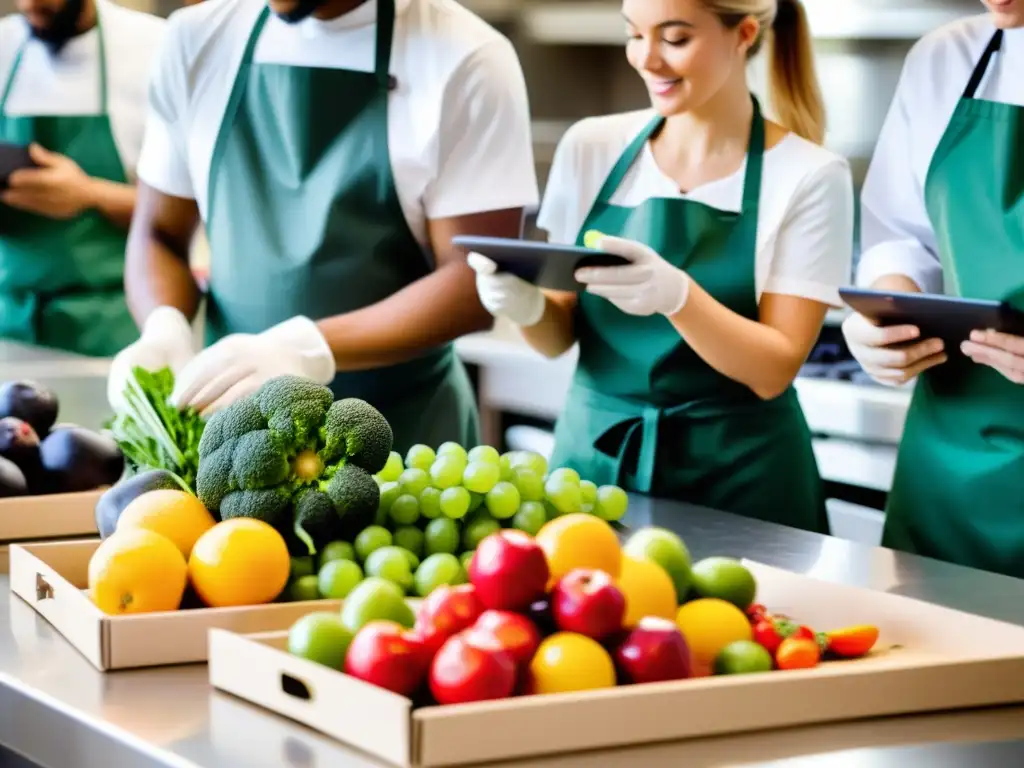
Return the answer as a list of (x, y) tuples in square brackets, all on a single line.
[(154, 434)]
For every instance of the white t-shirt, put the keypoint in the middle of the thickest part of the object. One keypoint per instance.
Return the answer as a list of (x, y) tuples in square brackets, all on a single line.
[(69, 83), (897, 235), (805, 220), (458, 123)]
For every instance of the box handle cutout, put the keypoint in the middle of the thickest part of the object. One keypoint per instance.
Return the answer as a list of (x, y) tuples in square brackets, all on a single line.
[(295, 688), (298, 754), (43, 589)]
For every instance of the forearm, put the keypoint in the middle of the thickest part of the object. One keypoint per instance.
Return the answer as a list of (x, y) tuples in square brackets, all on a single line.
[(748, 351), (157, 274), (554, 335), (116, 202), (430, 312)]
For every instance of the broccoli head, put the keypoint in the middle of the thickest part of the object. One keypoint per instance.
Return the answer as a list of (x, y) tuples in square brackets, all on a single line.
[(291, 456)]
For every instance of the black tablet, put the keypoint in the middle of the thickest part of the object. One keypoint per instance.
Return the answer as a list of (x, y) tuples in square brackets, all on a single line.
[(543, 264), (13, 157), (949, 318)]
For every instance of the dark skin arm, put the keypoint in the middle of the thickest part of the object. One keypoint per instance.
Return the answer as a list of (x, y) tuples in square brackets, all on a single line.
[(156, 270), (427, 313)]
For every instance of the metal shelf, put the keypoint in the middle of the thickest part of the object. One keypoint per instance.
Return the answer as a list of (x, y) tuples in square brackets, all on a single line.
[(600, 22)]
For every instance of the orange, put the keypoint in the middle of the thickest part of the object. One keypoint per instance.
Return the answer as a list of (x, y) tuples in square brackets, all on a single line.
[(709, 625), (648, 589), (137, 571), (179, 516), (239, 562), (580, 541), (567, 662)]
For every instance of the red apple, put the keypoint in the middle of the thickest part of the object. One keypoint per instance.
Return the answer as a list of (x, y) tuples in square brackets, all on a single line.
[(445, 612), (586, 601), (511, 632), (653, 651), (509, 571), (385, 654), (464, 671)]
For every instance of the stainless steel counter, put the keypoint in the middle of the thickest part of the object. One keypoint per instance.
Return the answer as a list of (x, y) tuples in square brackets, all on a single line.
[(59, 711)]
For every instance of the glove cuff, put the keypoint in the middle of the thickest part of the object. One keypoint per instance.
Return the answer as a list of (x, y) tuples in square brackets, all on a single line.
[(682, 294), (534, 312), (167, 323), (302, 335)]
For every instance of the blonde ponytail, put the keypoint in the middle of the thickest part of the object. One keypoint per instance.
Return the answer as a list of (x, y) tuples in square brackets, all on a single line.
[(792, 79)]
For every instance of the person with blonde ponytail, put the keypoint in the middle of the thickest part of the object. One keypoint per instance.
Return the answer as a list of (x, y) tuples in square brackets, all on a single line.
[(943, 212), (739, 234)]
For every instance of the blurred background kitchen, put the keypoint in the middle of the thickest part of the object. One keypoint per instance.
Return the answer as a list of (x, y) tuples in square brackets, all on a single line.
[(572, 54)]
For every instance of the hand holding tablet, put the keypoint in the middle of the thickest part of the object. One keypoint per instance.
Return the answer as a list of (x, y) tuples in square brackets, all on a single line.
[(543, 265)]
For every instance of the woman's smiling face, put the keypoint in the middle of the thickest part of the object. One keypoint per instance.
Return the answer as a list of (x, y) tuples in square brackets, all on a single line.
[(1006, 14), (683, 52)]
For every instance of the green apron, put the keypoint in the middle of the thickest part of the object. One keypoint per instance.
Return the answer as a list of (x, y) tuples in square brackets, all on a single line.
[(62, 282), (646, 412), (304, 219), (958, 493)]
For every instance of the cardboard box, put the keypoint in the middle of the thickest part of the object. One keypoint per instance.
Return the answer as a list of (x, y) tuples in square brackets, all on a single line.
[(929, 659), (52, 578), (52, 516)]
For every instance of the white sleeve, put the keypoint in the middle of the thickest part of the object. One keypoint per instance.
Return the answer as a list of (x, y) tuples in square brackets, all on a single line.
[(163, 162), (814, 248), (561, 214), (485, 151), (896, 233)]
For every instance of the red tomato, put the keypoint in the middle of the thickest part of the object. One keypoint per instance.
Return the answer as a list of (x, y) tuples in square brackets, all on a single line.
[(797, 653), (766, 635), (803, 632), (756, 612)]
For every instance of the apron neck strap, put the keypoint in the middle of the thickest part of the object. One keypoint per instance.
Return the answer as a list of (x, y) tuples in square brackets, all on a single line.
[(11, 74), (751, 179), (382, 56), (755, 161), (627, 158), (19, 55), (986, 58), (385, 37), (250, 46)]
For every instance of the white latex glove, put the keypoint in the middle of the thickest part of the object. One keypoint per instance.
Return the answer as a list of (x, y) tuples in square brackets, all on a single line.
[(165, 341), (649, 285), (239, 364), (892, 354), (506, 295)]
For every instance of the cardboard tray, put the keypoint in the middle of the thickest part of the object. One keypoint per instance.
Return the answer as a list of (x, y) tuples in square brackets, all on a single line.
[(52, 516), (52, 577), (929, 659)]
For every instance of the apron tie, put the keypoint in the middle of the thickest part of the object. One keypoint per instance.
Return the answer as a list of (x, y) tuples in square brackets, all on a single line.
[(646, 426), (638, 435)]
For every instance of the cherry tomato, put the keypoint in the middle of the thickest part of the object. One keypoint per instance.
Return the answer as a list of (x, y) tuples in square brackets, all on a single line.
[(797, 653), (803, 632), (766, 635), (756, 612)]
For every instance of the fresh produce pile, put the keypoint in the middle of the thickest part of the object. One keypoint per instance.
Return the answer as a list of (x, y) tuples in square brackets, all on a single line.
[(39, 456), (284, 470), (152, 433), (434, 509), (568, 610)]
